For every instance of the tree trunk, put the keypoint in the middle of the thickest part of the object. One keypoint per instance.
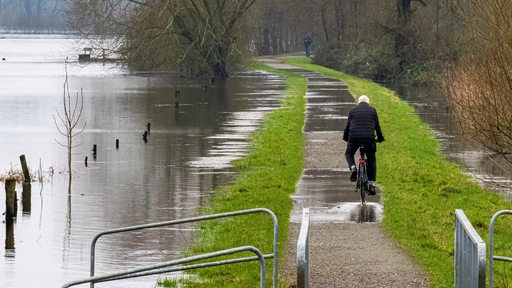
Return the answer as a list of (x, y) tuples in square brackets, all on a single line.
[(324, 21), (404, 12), (403, 17), (219, 70)]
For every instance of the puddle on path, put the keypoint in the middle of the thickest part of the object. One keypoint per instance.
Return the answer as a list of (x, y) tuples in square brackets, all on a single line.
[(343, 212), (327, 192)]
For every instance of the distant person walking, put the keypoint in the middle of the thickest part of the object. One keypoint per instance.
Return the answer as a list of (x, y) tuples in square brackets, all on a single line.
[(362, 125), (307, 44)]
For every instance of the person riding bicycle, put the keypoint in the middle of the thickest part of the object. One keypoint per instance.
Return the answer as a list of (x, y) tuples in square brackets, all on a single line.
[(362, 125)]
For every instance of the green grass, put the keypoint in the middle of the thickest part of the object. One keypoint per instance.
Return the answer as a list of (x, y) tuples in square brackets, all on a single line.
[(267, 178), (421, 189)]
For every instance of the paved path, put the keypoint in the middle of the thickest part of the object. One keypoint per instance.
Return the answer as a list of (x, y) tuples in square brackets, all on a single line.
[(348, 247)]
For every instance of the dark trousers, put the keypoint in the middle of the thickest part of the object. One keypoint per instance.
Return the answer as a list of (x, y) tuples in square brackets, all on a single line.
[(370, 149)]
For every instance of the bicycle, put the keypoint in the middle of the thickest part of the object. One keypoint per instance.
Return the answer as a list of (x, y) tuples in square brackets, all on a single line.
[(362, 185)]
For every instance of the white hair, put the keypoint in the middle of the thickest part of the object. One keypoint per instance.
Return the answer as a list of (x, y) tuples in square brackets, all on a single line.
[(364, 98)]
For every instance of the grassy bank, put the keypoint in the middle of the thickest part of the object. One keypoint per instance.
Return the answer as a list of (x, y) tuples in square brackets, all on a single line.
[(267, 178), (421, 189)]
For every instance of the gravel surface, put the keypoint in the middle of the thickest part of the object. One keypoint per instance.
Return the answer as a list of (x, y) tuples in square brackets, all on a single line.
[(353, 255), (343, 253), (347, 254)]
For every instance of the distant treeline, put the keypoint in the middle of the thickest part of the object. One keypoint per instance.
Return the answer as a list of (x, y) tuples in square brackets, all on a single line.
[(33, 16)]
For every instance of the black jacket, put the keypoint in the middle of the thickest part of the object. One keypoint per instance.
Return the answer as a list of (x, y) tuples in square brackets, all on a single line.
[(362, 124)]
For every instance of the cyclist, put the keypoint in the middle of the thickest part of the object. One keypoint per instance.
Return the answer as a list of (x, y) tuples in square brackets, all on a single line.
[(362, 125)]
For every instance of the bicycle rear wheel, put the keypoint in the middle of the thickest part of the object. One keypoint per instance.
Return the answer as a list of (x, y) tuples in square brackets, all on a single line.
[(362, 182)]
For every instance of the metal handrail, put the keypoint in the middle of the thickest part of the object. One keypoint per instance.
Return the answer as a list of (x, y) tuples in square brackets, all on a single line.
[(491, 247), (469, 254), (189, 220), (139, 271), (189, 267), (303, 252)]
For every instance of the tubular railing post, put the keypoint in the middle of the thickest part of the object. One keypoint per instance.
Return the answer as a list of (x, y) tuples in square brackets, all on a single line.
[(491, 247), (276, 243), (189, 220), (303, 252)]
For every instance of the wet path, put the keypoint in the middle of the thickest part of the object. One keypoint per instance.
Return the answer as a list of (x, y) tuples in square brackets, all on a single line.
[(347, 245), (324, 186)]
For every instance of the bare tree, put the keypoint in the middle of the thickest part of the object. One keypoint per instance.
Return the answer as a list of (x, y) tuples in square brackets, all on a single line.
[(194, 33), (480, 86), (68, 120)]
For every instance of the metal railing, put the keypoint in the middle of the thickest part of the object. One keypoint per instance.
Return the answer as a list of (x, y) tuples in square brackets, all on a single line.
[(469, 254), (189, 220), (492, 257), (303, 252), (161, 268)]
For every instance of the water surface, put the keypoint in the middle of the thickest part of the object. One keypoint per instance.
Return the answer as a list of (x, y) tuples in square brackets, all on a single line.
[(188, 153), (491, 170)]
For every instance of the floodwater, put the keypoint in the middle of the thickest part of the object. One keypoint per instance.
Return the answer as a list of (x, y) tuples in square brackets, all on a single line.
[(491, 170), (188, 153)]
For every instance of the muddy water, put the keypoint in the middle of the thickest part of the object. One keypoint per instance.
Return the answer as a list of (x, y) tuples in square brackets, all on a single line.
[(187, 154)]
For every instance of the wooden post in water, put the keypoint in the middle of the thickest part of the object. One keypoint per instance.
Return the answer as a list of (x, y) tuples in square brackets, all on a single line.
[(15, 203), (86, 158), (145, 136), (26, 198), (24, 166), (9, 235), (94, 150), (10, 199), (26, 194), (177, 96), (117, 143)]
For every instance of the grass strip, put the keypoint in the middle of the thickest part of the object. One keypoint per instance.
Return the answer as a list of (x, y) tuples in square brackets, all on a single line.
[(422, 189), (267, 177)]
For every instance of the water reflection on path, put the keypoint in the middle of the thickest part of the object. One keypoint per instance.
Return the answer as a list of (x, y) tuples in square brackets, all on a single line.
[(186, 156)]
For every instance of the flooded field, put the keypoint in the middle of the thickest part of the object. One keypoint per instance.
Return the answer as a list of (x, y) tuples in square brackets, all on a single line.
[(187, 154)]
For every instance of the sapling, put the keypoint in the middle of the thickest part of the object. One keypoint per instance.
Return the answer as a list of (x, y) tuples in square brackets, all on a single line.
[(68, 120)]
